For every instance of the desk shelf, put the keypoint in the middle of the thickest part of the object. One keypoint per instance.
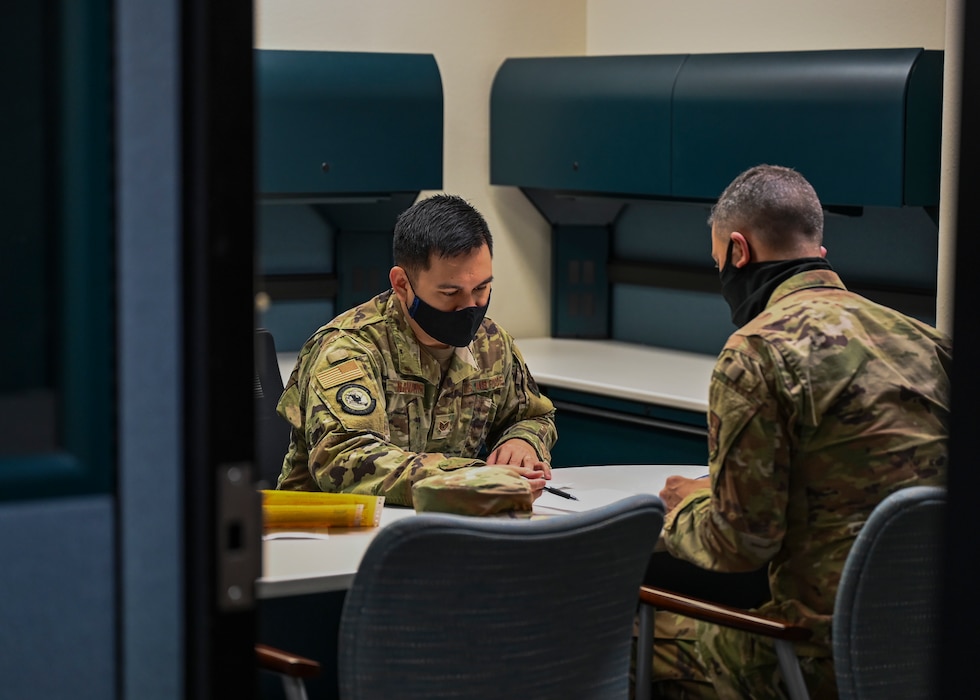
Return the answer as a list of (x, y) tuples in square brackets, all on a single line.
[(623, 403)]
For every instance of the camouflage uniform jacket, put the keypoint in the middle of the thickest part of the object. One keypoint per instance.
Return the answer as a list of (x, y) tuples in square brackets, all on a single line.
[(819, 407), (372, 413)]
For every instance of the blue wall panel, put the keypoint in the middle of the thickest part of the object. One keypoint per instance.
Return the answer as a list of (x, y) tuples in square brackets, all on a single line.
[(58, 635)]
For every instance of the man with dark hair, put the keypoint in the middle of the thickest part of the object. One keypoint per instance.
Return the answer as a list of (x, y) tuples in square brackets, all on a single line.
[(821, 404), (415, 395)]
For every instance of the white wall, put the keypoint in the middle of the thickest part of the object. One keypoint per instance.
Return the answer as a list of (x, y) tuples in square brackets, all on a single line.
[(713, 26), (469, 39), (949, 184)]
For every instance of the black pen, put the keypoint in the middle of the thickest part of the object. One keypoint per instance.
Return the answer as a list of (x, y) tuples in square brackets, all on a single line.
[(559, 492)]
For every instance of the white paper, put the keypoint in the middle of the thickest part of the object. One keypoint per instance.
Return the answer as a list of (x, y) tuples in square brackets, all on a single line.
[(587, 500)]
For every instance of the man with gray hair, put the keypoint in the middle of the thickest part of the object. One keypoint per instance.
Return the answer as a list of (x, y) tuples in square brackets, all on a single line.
[(821, 404)]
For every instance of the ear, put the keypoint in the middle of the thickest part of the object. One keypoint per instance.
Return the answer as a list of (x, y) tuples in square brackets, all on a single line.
[(741, 253), (399, 282), (823, 252)]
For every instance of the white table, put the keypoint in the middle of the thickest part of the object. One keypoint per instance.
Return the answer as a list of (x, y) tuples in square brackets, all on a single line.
[(670, 378), (632, 478), (299, 567), (286, 362)]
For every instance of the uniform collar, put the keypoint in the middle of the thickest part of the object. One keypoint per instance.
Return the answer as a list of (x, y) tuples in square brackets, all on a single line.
[(812, 279), (411, 360)]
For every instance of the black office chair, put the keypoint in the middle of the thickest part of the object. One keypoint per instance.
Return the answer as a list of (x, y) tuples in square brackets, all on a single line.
[(271, 442), (271, 431), (449, 606), (886, 613)]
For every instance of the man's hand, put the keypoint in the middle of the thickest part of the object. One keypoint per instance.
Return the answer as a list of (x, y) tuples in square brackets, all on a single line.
[(520, 457), (678, 488)]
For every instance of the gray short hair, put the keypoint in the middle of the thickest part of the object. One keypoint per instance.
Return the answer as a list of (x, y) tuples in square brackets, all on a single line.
[(776, 203)]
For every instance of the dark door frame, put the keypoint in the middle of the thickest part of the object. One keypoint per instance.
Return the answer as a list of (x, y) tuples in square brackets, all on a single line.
[(959, 643), (218, 191)]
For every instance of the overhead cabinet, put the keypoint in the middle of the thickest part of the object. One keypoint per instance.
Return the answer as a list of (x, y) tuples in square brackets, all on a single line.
[(864, 126), (336, 123), (597, 124)]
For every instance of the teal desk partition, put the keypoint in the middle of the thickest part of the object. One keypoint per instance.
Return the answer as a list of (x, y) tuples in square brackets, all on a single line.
[(345, 142), (624, 155)]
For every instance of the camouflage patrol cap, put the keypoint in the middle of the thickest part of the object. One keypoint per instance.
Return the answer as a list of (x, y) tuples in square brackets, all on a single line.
[(480, 490)]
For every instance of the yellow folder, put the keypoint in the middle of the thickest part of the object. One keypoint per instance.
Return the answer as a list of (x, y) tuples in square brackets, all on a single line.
[(309, 509)]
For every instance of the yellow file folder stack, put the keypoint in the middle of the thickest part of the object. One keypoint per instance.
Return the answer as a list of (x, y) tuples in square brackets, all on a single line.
[(300, 510)]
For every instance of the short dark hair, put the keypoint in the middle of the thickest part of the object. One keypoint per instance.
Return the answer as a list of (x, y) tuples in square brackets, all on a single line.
[(444, 224), (776, 203)]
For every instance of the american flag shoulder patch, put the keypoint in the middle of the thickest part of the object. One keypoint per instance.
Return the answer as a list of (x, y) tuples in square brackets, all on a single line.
[(339, 374)]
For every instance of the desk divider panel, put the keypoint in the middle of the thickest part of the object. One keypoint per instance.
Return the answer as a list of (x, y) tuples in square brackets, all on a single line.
[(351, 139), (581, 283), (643, 145)]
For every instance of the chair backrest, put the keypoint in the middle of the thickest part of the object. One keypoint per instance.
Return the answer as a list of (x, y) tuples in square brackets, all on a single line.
[(271, 431), (886, 621), (450, 606)]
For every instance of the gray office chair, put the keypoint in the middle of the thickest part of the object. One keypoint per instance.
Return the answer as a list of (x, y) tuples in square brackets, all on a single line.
[(886, 621), (886, 613), (448, 606)]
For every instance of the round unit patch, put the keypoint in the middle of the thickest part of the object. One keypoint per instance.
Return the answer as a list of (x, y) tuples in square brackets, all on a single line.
[(355, 399)]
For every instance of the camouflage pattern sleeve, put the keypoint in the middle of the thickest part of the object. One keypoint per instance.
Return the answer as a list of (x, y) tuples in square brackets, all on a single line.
[(337, 403), (525, 413), (740, 523)]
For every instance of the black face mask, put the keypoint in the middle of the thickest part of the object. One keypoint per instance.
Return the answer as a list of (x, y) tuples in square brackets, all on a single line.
[(456, 328), (747, 289)]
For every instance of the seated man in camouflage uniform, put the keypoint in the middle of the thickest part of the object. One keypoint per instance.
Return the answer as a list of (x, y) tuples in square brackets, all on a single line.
[(821, 404), (415, 395)]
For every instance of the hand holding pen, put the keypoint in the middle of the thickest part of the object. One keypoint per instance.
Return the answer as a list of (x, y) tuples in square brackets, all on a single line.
[(677, 488)]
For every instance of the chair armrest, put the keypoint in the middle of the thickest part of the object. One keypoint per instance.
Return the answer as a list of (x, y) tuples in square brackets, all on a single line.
[(722, 615), (287, 664)]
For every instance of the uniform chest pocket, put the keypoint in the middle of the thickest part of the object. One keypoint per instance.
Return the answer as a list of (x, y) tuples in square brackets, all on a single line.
[(461, 427), (406, 421)]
